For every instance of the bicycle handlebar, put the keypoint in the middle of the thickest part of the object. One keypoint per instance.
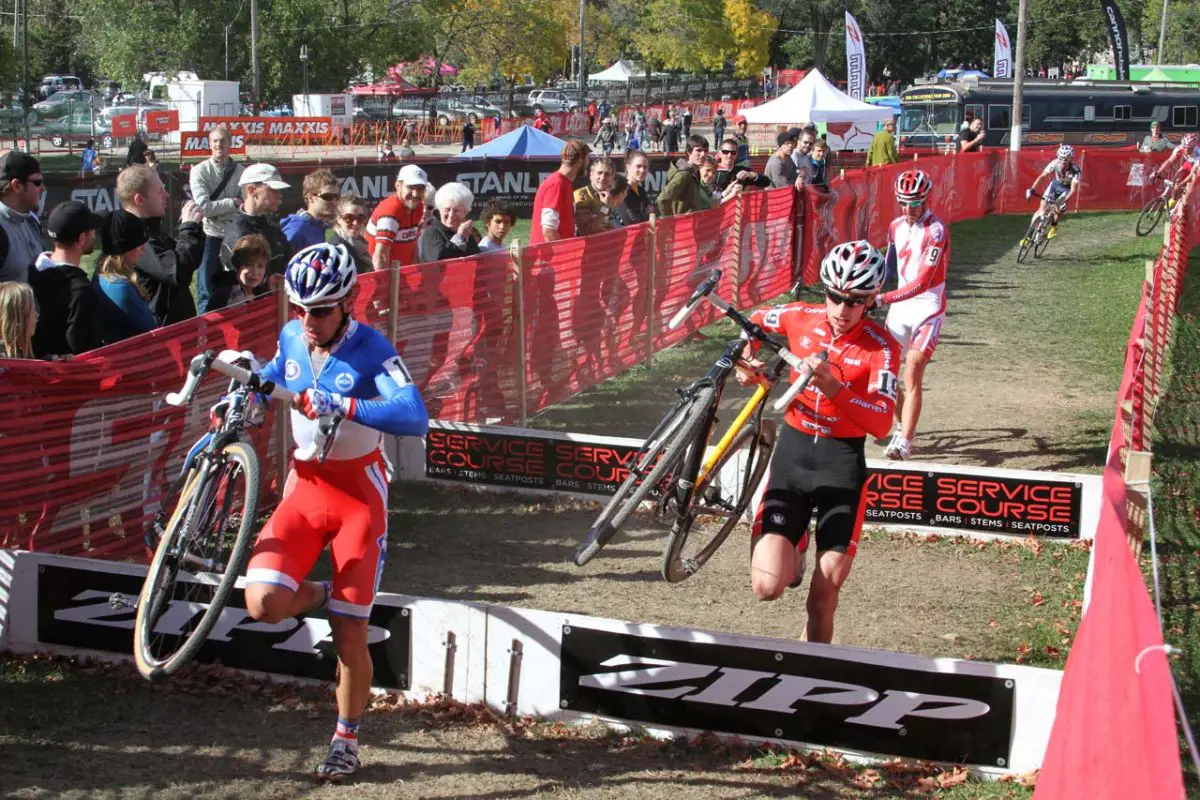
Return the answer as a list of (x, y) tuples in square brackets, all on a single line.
[(799, 386), (702, 291)]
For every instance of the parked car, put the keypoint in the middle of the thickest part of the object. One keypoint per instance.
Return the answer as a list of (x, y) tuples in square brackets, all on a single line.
[(78, 126), (57, 83), (423, 109), (552, 101), (473, 108), (66, 102)]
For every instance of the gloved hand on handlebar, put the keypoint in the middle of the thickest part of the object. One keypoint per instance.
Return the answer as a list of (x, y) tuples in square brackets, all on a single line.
[(1028, 193), (314, 403)]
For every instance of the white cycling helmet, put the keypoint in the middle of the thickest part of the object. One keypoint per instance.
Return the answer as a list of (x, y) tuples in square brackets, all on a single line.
[(320, 275), (854, 268), (1065, 152)]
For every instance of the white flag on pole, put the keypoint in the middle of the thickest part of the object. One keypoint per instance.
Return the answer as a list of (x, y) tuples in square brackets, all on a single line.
[(1002, 60), (856, 60)]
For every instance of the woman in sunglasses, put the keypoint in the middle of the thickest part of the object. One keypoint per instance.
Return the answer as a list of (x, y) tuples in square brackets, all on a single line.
[(352, 216), (336, 366), (819, 463)]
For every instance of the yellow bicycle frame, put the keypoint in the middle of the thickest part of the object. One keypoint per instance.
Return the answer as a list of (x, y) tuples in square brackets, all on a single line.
[(756, 399)]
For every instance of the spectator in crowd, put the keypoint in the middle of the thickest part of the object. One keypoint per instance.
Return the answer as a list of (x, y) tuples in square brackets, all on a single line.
[(405, 152), (603, 109), (743, 142), (468, 135), (498, 219), (20, 231), (591, 112), (781, 169), (671, 134), (18, 319), (730, 175), (450, 234), (70, 311), (352, 218), (614, 197), (554, 204), (88, 160), (683, 193), (166, 268), (635, 208), (687, 121), (260, 185), (971, 140), (641, 129), (385, 151), (308, 226), (542, 122), (214, 184), (819, 159), (719, 126), (801, 156), (593, 214), (392, 231), (708, 180), (883, 146), (124, 311), (606, 138), (248, 277), (1155, 142), (136, 154), (656, 133), (152, 159)]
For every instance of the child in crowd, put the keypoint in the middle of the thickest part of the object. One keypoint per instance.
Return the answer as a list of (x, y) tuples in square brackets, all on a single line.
[(90, 162), (819, 158), (708, 179), (498, 219), (18, 319), (250, 259), (124, 311), (152, 160)]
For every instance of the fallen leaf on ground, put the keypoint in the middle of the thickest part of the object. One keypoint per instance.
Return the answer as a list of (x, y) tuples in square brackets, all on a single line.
[(952, 778)]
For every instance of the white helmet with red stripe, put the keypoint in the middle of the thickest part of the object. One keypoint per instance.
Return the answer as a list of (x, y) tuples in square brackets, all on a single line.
[(1189, 140), (913, 186), (854, 268)]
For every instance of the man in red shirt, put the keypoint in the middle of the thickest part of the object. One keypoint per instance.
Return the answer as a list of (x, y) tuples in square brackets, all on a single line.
[(554, 205), (819, 463), (392, 232)]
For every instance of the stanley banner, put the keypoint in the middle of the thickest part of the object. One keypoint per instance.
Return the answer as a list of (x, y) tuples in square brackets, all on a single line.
[(1120, 42)]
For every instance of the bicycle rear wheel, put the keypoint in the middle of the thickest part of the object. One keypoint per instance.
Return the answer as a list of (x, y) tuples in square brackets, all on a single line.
[(1152, 214), (656, 464), (718, 503), (203, 549)]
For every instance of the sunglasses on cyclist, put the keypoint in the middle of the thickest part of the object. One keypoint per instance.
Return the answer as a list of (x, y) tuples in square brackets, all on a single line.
[(911, 203), (320, 312), (843, 300)]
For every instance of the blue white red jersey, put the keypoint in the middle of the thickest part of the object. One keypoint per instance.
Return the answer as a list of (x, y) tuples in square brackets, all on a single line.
[(369, 381), (920, 253)]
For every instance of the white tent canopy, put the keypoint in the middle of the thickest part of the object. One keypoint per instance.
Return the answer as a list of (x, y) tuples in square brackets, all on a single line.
[(619, 72), (815, 99)]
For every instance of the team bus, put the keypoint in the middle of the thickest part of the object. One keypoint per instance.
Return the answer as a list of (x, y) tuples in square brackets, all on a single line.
[(1052, 112)]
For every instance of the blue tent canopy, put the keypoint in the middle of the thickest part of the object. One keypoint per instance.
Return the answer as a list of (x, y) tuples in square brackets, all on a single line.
[(524, 141)]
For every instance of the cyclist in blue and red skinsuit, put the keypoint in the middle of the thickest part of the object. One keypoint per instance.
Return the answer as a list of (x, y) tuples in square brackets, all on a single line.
[(334, 364)]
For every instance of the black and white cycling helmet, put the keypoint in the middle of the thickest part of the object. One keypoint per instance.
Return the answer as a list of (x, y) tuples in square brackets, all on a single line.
[(854, 268), (320, 275), (1065, 152)]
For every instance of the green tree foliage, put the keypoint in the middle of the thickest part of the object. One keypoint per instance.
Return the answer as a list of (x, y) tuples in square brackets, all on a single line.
[(1182, 42), (523, 37)]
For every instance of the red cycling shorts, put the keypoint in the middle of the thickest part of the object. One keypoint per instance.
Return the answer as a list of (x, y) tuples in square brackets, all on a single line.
[(342, 504)]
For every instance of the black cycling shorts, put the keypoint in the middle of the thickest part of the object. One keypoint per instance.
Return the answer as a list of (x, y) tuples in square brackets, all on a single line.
[(819, 474)]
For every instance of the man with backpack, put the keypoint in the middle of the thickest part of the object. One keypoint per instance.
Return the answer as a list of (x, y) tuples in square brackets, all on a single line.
[(214, 184)]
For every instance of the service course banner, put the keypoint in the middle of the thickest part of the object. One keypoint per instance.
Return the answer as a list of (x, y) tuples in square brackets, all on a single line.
[(930, 498)]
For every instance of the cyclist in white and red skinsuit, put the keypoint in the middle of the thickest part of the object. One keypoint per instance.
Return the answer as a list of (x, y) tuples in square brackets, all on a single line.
[(919, 249)]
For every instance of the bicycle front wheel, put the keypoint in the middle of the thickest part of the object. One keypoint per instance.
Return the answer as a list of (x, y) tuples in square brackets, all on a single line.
[(655, 468), (1151, 215), (1040, 242), (202, 551), (718, 502), (1028, 242)]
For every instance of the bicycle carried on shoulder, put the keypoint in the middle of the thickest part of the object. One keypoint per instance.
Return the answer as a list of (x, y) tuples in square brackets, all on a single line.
[(1036, 239), (202, 540), (1155, 208), (701, 494)]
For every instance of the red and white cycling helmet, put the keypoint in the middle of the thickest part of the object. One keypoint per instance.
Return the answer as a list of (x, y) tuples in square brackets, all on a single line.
[(912, 186), (854, 268), (1189, 140)]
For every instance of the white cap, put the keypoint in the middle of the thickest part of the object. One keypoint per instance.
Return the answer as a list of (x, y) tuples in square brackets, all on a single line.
[(412, 175), (262, 173)]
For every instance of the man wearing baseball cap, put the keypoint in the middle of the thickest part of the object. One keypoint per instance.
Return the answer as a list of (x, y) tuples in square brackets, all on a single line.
[(260, 185), (392, 232), (69, 311), (20, 231), (743, 142)]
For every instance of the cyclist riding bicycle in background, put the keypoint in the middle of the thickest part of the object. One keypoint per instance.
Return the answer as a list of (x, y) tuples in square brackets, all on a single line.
[(336, 366), (1064, 183), (919, 252), (819, 462), (1187, 155)]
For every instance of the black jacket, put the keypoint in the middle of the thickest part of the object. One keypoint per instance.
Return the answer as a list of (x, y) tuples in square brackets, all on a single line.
[(223, 285), (435, 244), (68, 309), (635, 208), (166, 269), (726, 176), (243, 224)]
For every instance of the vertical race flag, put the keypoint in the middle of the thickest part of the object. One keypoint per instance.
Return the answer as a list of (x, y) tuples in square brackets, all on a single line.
[(1120, 42), (856, 60), (1002, 58)]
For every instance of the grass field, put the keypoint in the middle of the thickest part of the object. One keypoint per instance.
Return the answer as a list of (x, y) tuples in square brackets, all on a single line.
[(1176, 494)]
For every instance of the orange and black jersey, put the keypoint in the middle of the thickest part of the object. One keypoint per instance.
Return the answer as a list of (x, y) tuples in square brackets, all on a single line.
[(865, 358)]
